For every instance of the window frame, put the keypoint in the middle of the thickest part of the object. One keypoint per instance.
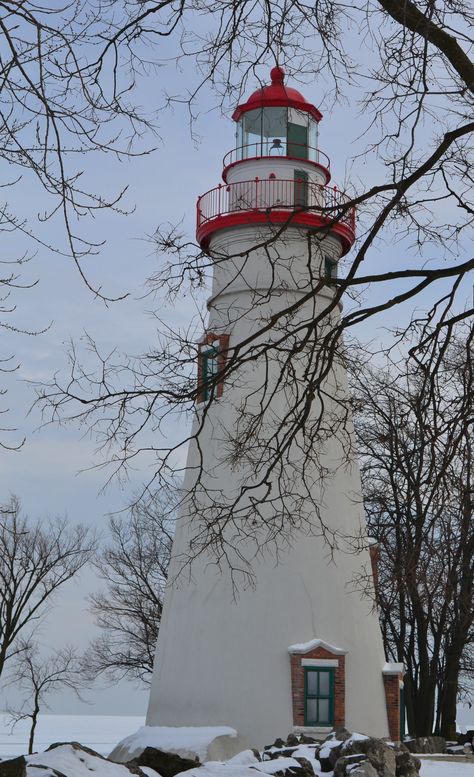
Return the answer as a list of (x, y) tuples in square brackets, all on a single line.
[(319, 670), (211, 346), (208, 352)]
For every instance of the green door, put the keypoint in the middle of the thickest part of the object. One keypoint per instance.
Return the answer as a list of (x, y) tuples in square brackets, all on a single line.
[(297, 141), (301, 189)]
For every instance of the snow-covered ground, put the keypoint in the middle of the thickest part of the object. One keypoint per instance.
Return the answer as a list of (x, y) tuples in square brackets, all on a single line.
[(446, 769), (102, 732)]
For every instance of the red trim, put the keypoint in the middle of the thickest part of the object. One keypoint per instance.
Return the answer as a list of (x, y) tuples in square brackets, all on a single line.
[(277, 95), (291, 218), (264, 98), (292, 158)]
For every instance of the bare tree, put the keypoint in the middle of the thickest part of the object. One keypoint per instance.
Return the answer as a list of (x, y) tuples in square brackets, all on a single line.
[(134, 567), (36, 559), (42, 677), (407, 66), (414, 429)]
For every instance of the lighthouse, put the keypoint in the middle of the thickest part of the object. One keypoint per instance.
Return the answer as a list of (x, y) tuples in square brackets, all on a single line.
[(298, 649)]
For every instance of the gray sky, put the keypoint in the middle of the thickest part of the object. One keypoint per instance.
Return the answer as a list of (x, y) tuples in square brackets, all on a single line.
[(162, 187)]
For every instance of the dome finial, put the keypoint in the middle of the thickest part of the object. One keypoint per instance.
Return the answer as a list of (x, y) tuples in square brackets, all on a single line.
[(277, 74)]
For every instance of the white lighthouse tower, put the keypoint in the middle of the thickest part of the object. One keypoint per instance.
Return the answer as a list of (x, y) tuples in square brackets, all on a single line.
[(301, 649)]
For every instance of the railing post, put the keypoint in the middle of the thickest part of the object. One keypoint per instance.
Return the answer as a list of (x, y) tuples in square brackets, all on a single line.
[(256, 192)]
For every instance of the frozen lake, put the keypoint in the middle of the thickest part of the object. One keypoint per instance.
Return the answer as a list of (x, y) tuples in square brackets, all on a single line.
[(99, 732)]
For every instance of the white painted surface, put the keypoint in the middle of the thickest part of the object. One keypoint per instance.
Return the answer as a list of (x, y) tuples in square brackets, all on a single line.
[(222, 661), (319, 662)]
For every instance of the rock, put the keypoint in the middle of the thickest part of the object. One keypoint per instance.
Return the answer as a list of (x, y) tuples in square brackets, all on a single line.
[(306, 740), (166, 764), (15, 767), (328, 754), (426, 745), (467, 738), (455, 749), (407, 765), (75, 746), (286, 752), (364, 769), (340, 733), (292, 740), (380, 755), (306, 767), (346, 764)]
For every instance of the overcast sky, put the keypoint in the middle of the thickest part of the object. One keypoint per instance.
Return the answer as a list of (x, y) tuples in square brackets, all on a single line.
[(162, 187)]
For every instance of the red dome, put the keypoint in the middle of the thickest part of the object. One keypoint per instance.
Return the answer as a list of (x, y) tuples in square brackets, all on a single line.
[(277, 95)]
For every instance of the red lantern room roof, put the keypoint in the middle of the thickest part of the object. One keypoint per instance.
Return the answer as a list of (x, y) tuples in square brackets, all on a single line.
[(277, 95)]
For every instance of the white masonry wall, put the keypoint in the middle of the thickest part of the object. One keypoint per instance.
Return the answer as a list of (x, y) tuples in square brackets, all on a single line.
[(222, 655)]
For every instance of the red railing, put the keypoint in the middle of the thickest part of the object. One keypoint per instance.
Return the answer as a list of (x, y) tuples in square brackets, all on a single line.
[(284, 149), (275, 194)]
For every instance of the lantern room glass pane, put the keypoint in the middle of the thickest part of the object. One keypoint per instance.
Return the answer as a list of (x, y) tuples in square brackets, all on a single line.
[(252, 133), (274, 127), (297, 134), (313, 140)]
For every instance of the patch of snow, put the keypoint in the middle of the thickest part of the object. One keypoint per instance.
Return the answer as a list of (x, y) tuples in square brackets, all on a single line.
[(305, 647), (328, 746), (218, 769), (355, 737), (186, 741), (393, 668), (75, 763), (277, 765), (245, 758), (308, 752)]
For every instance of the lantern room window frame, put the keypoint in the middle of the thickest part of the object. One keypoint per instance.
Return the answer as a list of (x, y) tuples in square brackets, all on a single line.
[(212, 356), (277, 131)]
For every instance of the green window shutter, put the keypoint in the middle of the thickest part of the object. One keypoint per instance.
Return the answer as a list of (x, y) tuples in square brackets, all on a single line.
[(318, 697), (297, 144), (300, 188)]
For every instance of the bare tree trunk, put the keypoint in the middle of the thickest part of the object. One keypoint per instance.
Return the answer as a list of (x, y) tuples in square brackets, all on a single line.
[(34, 721)]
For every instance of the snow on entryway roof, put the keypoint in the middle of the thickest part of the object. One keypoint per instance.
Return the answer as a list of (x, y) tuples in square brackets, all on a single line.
[(305, 647)]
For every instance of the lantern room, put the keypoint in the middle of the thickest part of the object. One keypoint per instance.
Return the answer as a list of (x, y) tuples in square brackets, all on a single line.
[(277, 121)]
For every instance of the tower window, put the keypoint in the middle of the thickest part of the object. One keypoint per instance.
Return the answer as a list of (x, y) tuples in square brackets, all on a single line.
[(330, 268), (211, 361), (319, 696)]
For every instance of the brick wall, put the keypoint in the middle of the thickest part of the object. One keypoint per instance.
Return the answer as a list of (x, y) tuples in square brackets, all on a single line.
[(209, 339), (392, 697), (297, 685)]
